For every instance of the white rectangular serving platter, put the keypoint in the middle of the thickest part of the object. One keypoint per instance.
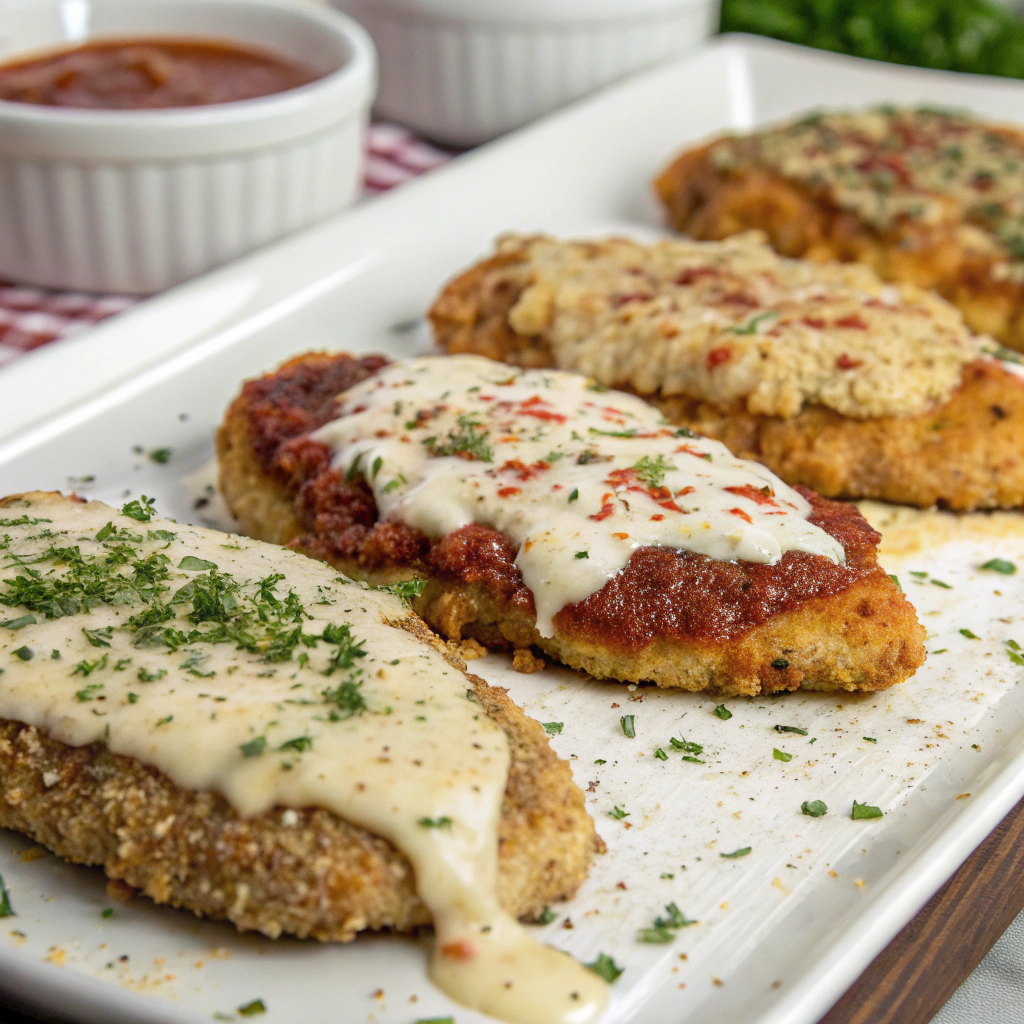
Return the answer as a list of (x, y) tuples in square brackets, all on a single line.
[(783, 930)]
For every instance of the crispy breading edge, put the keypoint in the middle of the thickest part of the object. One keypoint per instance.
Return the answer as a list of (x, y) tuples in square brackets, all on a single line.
[(316, 876), (866, 638), (965, 454), (710, 204)]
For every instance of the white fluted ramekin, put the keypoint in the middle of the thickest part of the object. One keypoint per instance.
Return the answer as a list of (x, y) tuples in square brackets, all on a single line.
[(465, 71), (136, 201)]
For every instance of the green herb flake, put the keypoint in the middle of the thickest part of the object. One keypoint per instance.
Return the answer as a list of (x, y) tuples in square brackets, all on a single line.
[(780, 663), (814, 808), (194, 564), (970, 636), (723, 712), (165, 721), (436, 1020), (600, 760), (605, 967), (553, 728), (618, 813), (468, 441), (546, 916), (299, 743), (628, 726), (870, 739), (108, 913), (443, 822), (574, 494), (791, 728), (88, 692), (660, 754), (652, 471), (141, 511), (1000, 565), (24, 653), (582, 554), (99, 637), (20, 622), (657, 936), (252, 1009), (407, 590), (736, 854), (253, 747), (781, 755), (6, 910), (896, 580), (161, 455), (940, 583), (862, 811)]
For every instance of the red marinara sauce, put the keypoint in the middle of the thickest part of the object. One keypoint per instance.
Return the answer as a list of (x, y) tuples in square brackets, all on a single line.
[(150, 74)]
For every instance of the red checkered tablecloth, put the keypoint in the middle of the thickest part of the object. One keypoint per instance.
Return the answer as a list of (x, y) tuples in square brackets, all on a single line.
[(33, 317)]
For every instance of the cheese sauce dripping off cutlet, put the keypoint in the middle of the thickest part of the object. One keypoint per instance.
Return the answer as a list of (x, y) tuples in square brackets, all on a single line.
[(245, 669), (577, 476)]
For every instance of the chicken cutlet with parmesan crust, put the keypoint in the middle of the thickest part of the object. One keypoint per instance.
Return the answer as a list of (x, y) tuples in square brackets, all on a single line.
[(542, 511)]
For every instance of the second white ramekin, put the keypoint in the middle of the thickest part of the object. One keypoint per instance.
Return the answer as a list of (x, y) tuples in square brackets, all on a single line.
[(465, 71), (137, 201)]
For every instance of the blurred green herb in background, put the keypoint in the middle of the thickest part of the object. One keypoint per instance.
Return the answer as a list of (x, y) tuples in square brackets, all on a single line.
[(978, 36)]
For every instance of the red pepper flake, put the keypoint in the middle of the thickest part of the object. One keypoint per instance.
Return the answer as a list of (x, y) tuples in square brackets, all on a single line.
[(523, 471), (507, 492), (692, 274), (813, 321), (844, 362), (621, 300), (620, 885), (657, 517), (531, 408), (754, 494), (717, 356), (688, 449), (621, 536), (460, 950), (671, 506), (853, 322), (607, 509), (743, 515)]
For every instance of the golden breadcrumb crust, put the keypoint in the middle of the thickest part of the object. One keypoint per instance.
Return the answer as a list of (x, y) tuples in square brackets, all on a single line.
[(865, 638), (966, 454), (710, 203), (303, 872)]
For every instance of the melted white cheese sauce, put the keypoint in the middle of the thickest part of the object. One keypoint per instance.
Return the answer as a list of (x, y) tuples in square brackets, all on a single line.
[(365, 721), (578, 477)]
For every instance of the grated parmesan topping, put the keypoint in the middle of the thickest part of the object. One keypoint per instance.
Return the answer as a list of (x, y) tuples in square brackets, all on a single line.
[(890, 165), (732, 322)]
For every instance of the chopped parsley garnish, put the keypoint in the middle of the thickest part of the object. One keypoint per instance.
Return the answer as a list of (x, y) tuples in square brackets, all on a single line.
[(618, 813), (632, 432), (660, 754), (253, 1008), (605, 967), (6, 910), (723, 712), (196, 564), (108, 913), (86, 668), (468, 441), (1013, 652), (655, 935), (781, 755), (582, 554), (299, 743), (546, 916), (861, 811), (780, 663), (652, 471), (346, 699), (664, 928), (407, 590), (751, 326), (814, 808), (88, 692), (443, 822), (791, 728), (99, 637), (895, 580), (938, 583), (970, 636), (161, 455), (600, 760), (574, 494), (253, 747), (436, 1020), (164, 721), (145, 676), (24, 653), (141, 510), (628, 726), (1000, 565), (686, 746), (552, 728), (870, 739), (736, 854), (349, 649)]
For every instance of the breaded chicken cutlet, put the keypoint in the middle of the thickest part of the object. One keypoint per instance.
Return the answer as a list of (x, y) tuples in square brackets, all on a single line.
[(174, 698), (926, 196), (832, 379), (543, 512)]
